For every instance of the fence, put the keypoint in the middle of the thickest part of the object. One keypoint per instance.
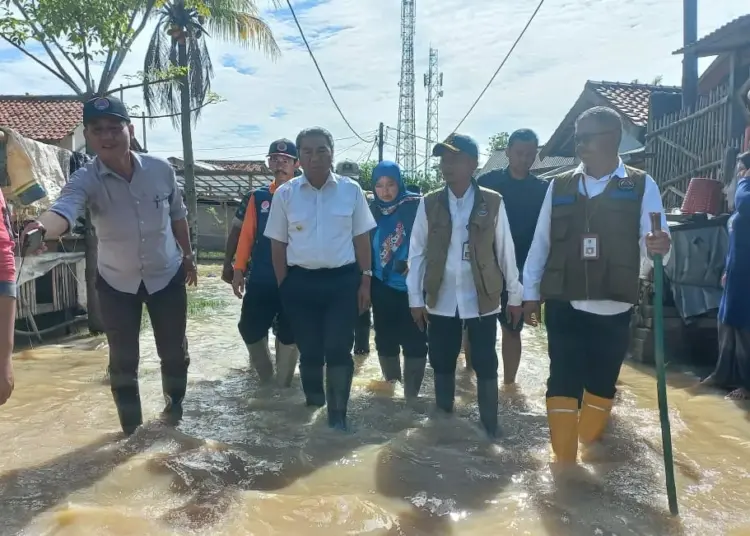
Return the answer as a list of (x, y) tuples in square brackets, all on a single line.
[(687, 144)]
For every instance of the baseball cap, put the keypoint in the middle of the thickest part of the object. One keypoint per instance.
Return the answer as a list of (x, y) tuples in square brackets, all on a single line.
[(347, 168), (283, 146), (457, 143), (104, 107)]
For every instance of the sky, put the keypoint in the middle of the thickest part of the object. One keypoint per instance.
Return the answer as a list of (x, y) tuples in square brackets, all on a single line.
[(358, 46)]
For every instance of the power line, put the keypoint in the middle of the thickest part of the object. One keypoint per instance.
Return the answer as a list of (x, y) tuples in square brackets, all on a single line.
[(223, 147), (323, 78), (518, 40)]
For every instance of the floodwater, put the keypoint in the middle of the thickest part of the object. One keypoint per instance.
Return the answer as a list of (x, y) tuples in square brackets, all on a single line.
[(250, 461)]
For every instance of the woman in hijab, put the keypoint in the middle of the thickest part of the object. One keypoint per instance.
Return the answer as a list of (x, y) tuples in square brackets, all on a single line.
[(394, 209), (733, 367)]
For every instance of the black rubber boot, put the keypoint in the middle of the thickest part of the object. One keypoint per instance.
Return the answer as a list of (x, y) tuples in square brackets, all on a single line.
[(413, 376), (338, 387), (174, 388), (128, 401), (445, 391), (312, 386), (487, 400), (391, 368)]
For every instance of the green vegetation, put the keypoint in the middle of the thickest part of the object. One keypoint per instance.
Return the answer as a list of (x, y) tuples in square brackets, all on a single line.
[(499, 141)]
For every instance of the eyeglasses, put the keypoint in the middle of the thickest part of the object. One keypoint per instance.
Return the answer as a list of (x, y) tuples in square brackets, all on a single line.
[(584, 138)]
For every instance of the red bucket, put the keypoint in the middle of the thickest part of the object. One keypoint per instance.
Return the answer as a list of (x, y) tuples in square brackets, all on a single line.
[(704, 196)]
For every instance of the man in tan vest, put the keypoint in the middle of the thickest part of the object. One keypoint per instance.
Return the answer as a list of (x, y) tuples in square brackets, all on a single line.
[(593, 230), (461, 250)]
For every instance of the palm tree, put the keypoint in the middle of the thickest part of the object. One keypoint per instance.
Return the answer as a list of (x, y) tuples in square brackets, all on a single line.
[(179, 41)]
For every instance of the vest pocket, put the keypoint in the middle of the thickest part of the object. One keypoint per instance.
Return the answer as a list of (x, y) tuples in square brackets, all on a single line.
[(553, 280), (622, 282), (492, 279)]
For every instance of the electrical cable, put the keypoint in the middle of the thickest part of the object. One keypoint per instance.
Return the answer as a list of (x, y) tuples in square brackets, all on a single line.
[(323, 78), (224, 147), (512, 48)]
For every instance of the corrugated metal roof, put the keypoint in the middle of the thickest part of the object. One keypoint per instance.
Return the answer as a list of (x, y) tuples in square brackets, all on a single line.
[(499, 160), (732, 36)]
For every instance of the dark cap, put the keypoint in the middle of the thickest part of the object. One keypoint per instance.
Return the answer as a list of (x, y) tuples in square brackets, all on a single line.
[(283, 146), (457, 143), (347, 168), (104, 107)]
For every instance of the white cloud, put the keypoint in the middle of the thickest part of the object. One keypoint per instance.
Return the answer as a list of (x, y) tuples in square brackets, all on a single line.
[(569, 42)]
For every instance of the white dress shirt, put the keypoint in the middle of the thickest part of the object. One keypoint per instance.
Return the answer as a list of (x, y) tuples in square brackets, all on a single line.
[(458, 291), (318, 225), (533, 270)]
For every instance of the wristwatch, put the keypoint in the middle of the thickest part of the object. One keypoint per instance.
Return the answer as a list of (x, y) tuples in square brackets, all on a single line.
[(368, 273)]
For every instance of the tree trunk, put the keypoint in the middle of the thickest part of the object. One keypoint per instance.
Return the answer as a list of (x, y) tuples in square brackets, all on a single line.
[(187, 148)]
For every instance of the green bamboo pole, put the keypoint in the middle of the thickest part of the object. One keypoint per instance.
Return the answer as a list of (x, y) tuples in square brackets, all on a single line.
[(661, 376)]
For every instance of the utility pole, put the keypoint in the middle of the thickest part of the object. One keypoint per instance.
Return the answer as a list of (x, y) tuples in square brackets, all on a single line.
[(689, 59), (381, 142)]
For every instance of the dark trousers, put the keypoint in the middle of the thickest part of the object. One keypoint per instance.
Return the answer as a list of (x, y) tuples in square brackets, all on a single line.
[(586, 350), (362, 332), (445, 334), (121, 316), (322, 308), (261, 306), (395, 329), (733, 366)]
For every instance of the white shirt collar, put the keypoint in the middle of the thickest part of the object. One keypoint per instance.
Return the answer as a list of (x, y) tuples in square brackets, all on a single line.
[(332, 178), (620, 172)]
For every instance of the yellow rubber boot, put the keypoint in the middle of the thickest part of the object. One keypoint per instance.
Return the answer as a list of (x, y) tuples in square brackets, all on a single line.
[(562, 415), (595, 412)]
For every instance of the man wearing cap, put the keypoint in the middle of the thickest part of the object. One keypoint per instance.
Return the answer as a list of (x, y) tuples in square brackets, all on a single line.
[(349, 168), (144, 253), (594, 229), (261, 304), (460, 255), (319, 228), (523, 194)]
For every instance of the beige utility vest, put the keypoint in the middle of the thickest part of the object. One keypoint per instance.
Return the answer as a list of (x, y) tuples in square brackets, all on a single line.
[(614, 217), (488, 278)]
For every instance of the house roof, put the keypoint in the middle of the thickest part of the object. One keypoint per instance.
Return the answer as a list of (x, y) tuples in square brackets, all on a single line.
[(248, 166), (732, 36), (41, 118), (498, 159), (631, 100)]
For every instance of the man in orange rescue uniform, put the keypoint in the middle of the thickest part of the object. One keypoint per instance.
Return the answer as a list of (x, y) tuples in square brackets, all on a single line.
[(261, 303)]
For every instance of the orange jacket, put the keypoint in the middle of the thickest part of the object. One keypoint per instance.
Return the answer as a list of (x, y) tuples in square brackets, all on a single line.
[(248, 233)]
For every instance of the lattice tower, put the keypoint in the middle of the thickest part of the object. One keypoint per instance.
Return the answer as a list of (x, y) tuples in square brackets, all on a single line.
[(433, 82), (406, 141)]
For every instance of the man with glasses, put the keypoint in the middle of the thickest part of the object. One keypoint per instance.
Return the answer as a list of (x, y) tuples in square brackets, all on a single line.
[(593, 231), (144, 253), (254, 275)]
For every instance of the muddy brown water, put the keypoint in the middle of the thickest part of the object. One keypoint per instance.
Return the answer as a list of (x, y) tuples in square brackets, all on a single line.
[(252, 461)]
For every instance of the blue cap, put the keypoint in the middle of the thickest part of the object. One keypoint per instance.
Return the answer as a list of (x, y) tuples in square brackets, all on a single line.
[(104, 107), (457, 143), (283, 146)]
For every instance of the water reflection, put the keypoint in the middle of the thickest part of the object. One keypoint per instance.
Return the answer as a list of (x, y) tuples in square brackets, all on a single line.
[(250, 460)]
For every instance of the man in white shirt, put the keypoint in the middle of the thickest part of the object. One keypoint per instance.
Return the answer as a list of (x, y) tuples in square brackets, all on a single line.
[(594, 227), (461, 250), (319, 228)]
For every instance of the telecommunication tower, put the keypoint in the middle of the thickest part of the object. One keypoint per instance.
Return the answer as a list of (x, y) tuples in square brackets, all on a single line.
[(433, 82), (406, 141)]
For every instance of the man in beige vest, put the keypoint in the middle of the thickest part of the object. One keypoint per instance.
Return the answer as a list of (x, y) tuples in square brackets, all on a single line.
[(461, 250), (593, 230)]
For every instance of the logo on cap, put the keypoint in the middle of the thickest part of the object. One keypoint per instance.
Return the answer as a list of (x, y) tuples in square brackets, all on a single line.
[(281, 146), (101, 104)]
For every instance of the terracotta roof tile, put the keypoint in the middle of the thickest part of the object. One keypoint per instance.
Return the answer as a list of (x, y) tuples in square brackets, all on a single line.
[(44, 118), (733, 35), (631, 100)]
